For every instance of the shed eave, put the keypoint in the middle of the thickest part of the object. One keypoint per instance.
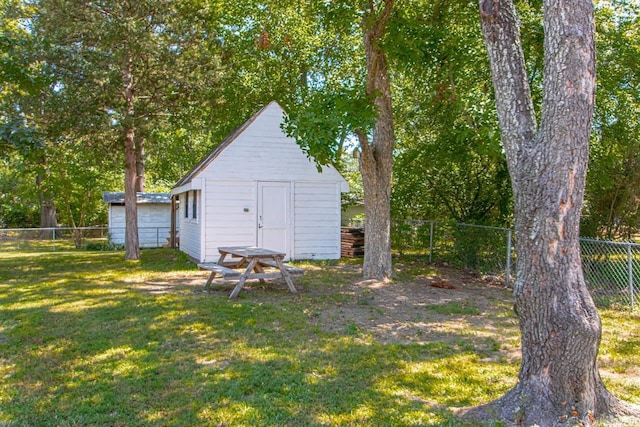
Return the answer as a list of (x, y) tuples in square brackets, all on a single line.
[(182, 189)]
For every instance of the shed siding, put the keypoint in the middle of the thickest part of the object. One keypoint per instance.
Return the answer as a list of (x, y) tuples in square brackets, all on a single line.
[(264, 153), (317, 220), (227, 224), (116, 224), (189, 229), (154, 224)]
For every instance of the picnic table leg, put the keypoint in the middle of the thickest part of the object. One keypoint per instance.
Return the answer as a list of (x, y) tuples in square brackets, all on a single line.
[(209, 280), (285, 275), (213, 273), (258, 269), (221, 259), (243, 278)]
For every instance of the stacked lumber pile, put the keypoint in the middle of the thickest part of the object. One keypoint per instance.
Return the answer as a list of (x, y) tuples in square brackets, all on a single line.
[(351, 242)]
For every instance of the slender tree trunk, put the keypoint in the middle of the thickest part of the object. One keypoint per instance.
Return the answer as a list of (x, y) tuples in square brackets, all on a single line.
[(140, 164), (132, 245), (376, 162), (48, 214), (558, 381), (77, 234)]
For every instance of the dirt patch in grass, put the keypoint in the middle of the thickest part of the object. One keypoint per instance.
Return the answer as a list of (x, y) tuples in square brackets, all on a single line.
[(425, 303), (445, 304)]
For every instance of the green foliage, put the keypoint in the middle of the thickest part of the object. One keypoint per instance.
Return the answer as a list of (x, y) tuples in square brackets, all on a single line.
[(18, 136), (103, 246), (309, 57), (327, 119), (449, 162), (474, 247), (16, 210), (349, 166), (203, 67), (612, 207), (175, 151)]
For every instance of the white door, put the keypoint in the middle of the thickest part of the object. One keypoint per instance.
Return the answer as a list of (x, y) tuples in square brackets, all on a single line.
[(274, 216)]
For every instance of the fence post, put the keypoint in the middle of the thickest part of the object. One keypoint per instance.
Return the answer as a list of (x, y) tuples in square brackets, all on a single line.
[(431, 241), (630, 268), (507, 278)]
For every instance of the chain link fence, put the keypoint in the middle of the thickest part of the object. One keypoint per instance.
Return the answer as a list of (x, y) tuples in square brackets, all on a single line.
[(67, 238), (481, 248), (611, 272), (610, 268)]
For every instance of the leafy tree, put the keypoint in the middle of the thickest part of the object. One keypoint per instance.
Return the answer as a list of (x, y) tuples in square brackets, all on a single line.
[(449, 163), (27, 104), (376, 161), (78, 184), (123, 67), (559, 382), (612, 208), (355, 100), (16, 210), (350, 172)]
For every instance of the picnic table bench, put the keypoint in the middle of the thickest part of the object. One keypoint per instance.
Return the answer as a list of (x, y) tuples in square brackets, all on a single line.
[(255, 259), (220, 270), (293, 271)]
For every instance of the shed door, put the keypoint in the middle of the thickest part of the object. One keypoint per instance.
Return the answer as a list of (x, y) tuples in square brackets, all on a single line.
[(274, 216)]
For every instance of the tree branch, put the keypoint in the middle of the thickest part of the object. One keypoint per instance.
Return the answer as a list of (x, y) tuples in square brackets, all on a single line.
[(378, 26), (501, 31)]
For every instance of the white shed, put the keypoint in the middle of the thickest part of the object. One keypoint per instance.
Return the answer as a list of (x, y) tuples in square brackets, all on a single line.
[(259, 188), (154, 218)]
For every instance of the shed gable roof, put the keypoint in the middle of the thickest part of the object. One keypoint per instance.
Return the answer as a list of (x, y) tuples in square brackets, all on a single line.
[(117, 198), (259, 163), (219, 149)]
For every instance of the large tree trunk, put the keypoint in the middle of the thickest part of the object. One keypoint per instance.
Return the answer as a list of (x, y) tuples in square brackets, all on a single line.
[(132, 244), (376, 162), (558, 381)]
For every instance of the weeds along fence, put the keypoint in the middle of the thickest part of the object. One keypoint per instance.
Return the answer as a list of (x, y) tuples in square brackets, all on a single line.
[(91, 238), (611, 269)]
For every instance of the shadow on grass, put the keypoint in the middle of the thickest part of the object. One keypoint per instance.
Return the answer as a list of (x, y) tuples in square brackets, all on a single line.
[(81, 344)]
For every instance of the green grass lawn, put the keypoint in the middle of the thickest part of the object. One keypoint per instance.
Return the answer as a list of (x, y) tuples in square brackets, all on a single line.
[(89, 339)]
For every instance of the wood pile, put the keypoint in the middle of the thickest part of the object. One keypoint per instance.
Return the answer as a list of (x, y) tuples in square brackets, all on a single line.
[(351, 242)]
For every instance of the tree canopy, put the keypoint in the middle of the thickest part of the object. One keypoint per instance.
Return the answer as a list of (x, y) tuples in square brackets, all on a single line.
[(201, 68)]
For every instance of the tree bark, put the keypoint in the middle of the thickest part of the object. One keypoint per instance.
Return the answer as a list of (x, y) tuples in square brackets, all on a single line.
[(140, 164), (558, 382), (132, 244), (376, 161), (48, 214)]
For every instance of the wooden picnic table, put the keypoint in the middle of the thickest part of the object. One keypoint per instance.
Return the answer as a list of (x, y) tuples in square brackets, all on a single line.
[(256, 260)]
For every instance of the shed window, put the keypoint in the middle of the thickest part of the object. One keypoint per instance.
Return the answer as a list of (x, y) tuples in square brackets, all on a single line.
[(194, 209), (186, 204)]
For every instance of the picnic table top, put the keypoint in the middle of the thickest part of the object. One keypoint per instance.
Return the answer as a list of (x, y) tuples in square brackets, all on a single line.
[(250, 252)]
